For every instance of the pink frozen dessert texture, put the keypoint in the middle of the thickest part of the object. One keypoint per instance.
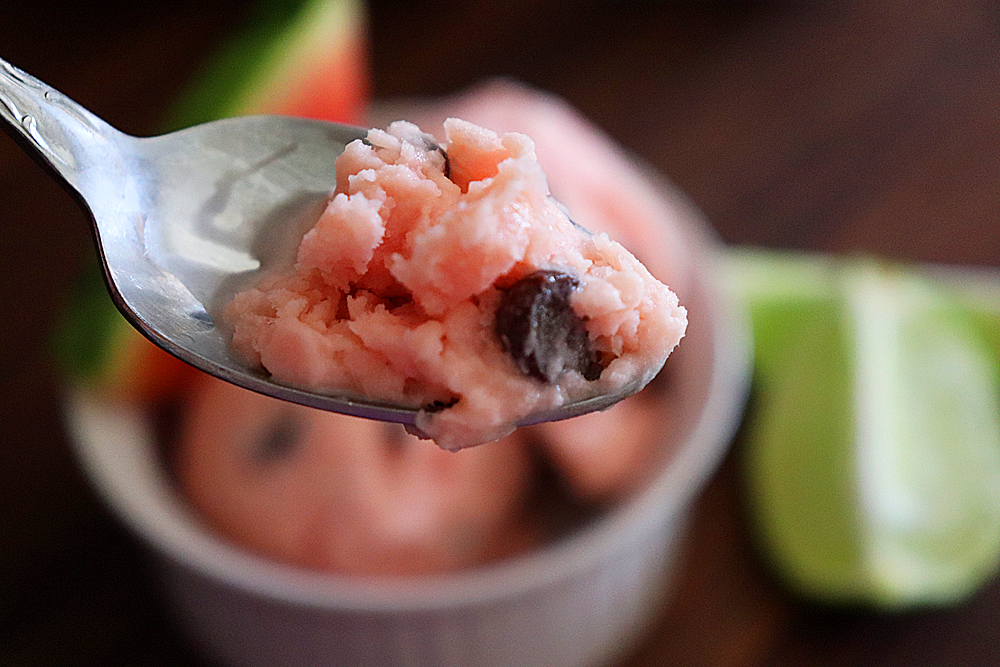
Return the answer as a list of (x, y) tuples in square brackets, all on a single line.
[(328, 492), (442, 276)]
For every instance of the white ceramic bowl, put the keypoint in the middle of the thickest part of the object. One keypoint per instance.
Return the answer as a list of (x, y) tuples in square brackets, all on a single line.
[(580, 601)]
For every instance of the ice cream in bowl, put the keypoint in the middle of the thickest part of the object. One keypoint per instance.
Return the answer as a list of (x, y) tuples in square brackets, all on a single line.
[(290, 536)]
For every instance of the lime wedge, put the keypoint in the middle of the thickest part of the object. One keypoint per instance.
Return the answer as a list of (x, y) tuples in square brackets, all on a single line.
[(978, 290), (873, 450)]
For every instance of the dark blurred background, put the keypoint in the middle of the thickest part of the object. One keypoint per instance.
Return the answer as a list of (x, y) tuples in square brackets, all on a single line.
[(832, 126)]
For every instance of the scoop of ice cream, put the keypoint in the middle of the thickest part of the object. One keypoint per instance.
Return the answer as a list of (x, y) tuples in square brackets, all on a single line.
[(605, 455), (602, 186), (325, 491), (396, 290), (347, 495)]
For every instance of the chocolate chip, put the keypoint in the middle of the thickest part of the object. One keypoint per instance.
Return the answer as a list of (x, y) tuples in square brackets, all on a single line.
[(540, 331), (438, 406), (282, 437), (447, 165)]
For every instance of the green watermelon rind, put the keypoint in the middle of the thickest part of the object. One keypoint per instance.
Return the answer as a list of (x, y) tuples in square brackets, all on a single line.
[(90, 331), (238, 65)]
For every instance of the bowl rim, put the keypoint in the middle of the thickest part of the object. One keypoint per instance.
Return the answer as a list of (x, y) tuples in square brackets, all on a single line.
[(145, 500)]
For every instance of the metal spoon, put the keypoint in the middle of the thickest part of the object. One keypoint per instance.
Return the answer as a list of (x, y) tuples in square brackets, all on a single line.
[(182, 219)]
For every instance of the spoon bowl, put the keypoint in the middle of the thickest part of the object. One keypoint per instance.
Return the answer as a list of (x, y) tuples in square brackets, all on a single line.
[(182, 220)]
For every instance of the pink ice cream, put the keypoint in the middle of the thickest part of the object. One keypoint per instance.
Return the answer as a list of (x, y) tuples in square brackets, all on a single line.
[(419, 281), (329, 492), (336, 493)]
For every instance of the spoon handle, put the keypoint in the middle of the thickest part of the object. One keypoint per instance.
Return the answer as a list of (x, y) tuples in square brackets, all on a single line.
[(59, 133)]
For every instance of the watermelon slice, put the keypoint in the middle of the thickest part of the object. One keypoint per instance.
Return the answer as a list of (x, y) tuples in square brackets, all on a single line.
[(103, 352), (294, 57)]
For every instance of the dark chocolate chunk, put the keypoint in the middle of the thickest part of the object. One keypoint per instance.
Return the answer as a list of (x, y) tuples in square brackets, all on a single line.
[(447, 165), (438, 406), (539, 330), (280, 439)]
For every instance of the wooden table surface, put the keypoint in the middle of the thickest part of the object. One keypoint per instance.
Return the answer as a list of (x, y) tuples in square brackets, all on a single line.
[(833, 126)]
